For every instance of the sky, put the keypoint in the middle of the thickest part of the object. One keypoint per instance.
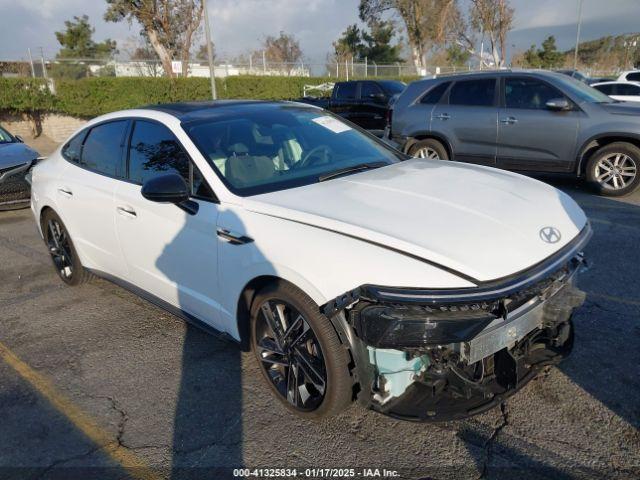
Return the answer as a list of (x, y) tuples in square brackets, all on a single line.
[(240, 25)]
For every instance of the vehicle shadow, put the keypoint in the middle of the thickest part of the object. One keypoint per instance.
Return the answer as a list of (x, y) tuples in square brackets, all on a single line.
[(207, 425)]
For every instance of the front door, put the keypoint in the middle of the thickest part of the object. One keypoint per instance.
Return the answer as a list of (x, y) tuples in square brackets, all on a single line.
[(467, 119), (170, 253), (372, 106), (530, 136)]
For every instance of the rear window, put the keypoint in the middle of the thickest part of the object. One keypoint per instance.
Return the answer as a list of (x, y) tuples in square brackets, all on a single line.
[(476, 93), (102, 151), (633, 77), (435, 94)]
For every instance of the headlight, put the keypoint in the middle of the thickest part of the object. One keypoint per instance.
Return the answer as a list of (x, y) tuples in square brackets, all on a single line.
[(393, 326)]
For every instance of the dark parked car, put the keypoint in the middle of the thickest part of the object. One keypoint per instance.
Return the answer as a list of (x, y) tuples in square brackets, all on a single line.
[(15, 160), (522, 120), (363, 102)]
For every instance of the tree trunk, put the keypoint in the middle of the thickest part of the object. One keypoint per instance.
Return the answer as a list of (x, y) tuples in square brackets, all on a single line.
[(163, 54), (417, 57)]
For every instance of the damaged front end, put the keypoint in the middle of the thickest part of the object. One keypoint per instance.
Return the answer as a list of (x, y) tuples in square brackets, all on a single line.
[(437, 355)]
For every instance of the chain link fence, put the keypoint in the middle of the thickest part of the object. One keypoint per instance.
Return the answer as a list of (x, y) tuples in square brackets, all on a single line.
[(341, 70)]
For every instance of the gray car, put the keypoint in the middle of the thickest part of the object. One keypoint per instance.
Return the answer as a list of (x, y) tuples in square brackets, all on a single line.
[(530, 121), (16, 159)]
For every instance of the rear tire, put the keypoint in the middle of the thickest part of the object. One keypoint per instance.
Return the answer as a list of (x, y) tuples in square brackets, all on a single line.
[(429, 149), (63, 253), (613, 169), (304, 363)]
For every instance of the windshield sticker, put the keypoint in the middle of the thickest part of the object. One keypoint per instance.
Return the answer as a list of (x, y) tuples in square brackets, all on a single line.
[(336, 126)]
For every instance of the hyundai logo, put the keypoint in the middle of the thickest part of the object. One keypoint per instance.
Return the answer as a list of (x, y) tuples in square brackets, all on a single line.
[(550, 235)]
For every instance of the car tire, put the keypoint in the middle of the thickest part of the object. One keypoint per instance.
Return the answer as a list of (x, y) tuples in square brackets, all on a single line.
[(319, 353), (62, 251), (429, 149), (613, 170)]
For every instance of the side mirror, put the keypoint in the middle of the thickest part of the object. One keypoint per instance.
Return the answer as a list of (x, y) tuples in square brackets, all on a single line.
[(19, 138), (169, 188), (558, 104), (378, 97)]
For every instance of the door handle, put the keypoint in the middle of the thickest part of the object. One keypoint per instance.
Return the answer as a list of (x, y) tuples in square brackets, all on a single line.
[(232, 237), (443, 116), (126, 211), (65, 191), (509, 121)]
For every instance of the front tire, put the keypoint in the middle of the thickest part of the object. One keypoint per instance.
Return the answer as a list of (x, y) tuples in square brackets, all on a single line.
[(430, 149), (299, 353), (63, 253), (613, 169)]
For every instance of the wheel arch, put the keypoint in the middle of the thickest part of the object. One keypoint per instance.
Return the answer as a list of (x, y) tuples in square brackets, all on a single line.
[(248, 293), (596, 142), (419, 136)]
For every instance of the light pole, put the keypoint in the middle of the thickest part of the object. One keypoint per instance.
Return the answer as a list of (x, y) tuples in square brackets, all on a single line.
[(207, 30), (575, 53)]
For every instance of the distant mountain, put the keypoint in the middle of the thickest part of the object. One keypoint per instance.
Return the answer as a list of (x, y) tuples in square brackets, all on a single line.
[(609, 52)]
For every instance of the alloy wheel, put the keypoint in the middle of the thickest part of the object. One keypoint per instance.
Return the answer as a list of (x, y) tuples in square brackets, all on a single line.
[(290, 353), (427, 152), (615, 171), (59, 248)]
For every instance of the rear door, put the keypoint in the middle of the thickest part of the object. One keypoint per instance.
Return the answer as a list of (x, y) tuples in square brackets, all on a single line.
[(530, 136), (85, 194), (467, 118), (169, 252)]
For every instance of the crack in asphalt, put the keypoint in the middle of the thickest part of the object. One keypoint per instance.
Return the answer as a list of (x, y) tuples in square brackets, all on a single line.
[(488, 444), (62, 461)]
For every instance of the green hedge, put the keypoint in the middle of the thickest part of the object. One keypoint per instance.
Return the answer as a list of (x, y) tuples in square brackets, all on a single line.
[(89, 97), (25, 95)]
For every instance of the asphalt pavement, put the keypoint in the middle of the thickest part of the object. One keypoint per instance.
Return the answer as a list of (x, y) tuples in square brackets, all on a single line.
[(97, 383)]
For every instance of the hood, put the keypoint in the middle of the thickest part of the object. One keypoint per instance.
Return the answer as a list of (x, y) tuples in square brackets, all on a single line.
[(14, 154), (482, 222), (622, 108)]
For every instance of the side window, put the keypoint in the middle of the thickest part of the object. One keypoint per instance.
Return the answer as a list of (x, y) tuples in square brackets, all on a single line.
[(154, 151), (346, 90), (477, 93), (528, 93), (71, 151), (633, 77), (606, 89), (434, 95), (102, 149), (628, 89), (369, 89)]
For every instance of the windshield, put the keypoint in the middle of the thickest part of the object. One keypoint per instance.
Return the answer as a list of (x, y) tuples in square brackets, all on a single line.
[(5, 137), (582, 91), (266, 148), (391, 87)]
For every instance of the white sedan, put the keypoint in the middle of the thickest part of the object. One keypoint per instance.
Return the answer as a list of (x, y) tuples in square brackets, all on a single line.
[(426, 290), (623, 91)]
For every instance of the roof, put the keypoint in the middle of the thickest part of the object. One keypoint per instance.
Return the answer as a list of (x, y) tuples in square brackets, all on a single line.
[(503, 71), (191, 110)]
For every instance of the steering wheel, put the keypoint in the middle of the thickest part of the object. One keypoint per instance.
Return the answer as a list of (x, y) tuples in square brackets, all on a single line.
[(307, 159)]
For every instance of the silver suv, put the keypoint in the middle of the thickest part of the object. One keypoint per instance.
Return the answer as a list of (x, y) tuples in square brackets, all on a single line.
[(531, 121)]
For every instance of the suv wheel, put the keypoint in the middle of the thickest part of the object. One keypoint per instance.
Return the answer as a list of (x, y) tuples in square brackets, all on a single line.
[(613, 169), (299, 352), (63, 253), (429, 148)]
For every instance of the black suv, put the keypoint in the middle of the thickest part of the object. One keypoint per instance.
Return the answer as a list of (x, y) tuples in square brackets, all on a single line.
[(533, 121)]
